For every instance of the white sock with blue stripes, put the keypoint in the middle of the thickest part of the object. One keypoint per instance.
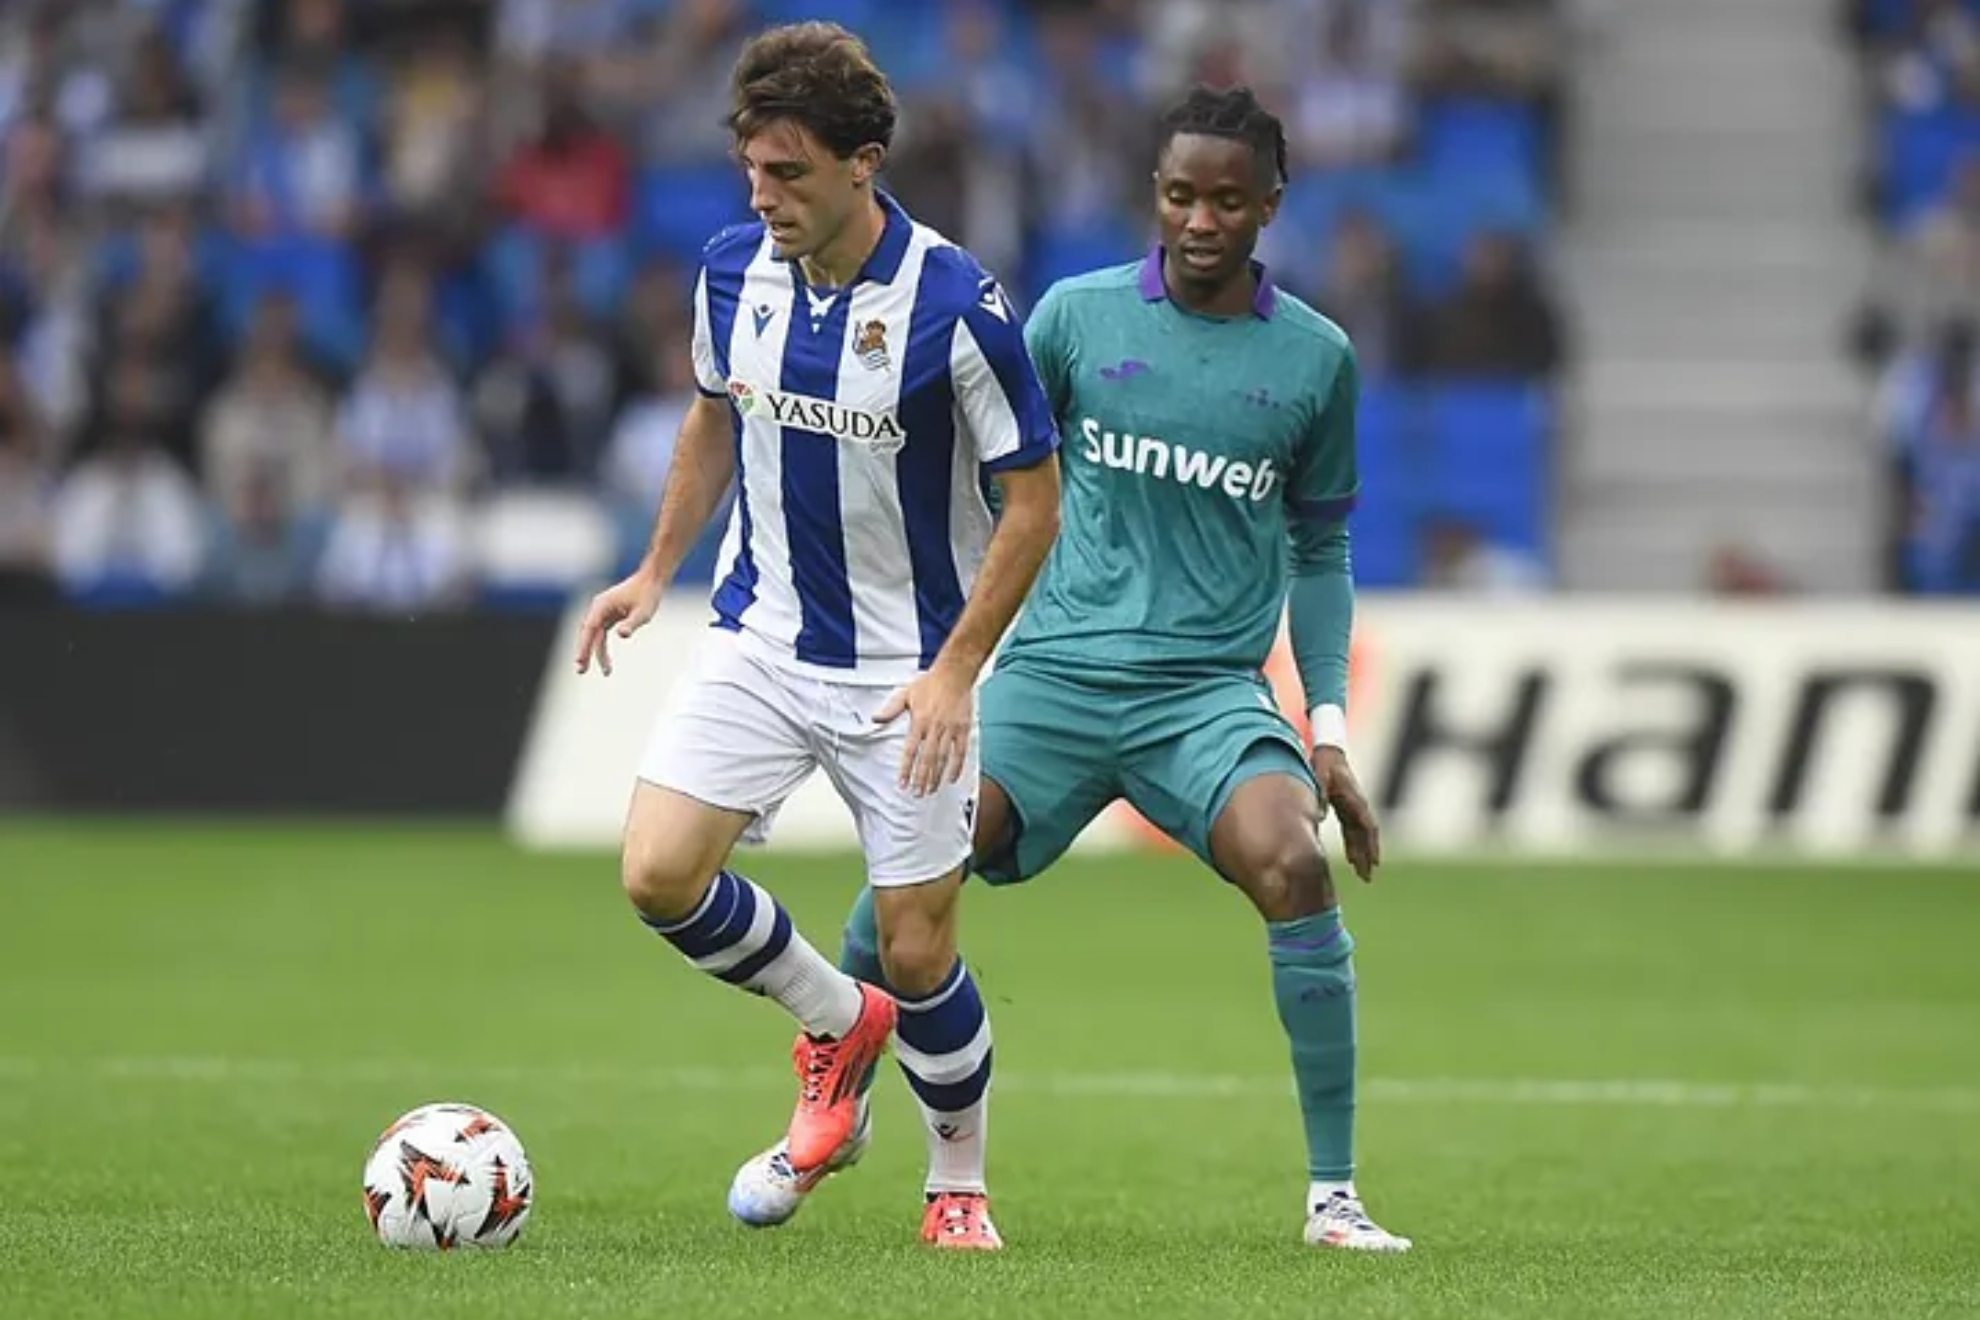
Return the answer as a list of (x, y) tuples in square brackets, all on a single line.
[(943, 1043), (742, 935)]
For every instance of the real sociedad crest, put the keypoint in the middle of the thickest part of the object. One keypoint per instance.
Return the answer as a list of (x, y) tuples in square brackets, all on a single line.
[(871, 346)]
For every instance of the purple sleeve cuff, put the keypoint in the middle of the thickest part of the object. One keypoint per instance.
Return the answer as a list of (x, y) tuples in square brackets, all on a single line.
[(1333, 510)]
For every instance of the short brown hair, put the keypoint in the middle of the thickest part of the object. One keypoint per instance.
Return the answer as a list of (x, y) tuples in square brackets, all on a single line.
[(817, 75)]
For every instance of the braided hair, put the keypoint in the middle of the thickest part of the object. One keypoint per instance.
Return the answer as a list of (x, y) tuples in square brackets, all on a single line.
[(1233, 113)]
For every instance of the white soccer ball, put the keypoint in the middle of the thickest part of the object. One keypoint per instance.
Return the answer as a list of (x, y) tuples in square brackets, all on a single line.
[(445, 1176)]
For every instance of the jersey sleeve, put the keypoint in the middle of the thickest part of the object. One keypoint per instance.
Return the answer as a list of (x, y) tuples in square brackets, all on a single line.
[(706, 378), (1049, 346), (1326, 476), (998, 392)]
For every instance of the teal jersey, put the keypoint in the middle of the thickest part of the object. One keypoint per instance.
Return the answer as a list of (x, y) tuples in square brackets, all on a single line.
[(1198, 455)]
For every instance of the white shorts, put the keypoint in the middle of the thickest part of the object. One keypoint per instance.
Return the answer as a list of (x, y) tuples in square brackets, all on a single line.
[(742, 734)]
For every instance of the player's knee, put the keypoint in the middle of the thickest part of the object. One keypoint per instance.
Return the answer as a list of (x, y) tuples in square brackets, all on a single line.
[(1288, 878), (661, 883), (917, 956)]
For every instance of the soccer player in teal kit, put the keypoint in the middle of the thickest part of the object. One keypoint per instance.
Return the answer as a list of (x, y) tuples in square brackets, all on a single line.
[(1209, 465)]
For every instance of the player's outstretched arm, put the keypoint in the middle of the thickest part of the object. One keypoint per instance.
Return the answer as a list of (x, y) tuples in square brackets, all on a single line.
[(704, 464), (941, 703), (1320, 609), (1320, 605)]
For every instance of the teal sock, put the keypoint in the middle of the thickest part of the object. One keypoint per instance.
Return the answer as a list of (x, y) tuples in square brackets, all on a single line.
[(859, 957), (1313, 982)]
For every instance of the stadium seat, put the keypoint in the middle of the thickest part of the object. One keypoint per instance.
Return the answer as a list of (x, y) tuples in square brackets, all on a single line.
[(531, 549), (1460, 135), (1059, 255), (515, 260), (1487, 456), (325, 280), (117, 591), (1385, 522), (1920, 153), (681, 206)]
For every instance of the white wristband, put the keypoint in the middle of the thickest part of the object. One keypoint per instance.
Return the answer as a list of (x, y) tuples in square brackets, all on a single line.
[(1328, 725)]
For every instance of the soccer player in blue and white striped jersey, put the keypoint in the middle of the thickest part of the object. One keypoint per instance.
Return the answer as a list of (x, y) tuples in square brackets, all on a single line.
[(860, 376)]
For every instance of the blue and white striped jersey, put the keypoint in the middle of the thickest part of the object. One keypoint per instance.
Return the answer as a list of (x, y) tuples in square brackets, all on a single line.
[(866, 419)]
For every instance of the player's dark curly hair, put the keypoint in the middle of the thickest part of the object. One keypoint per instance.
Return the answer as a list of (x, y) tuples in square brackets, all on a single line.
[(1229, 112), (818, 75)]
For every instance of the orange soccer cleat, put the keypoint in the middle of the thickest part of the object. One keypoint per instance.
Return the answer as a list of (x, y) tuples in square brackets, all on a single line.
[(960, 1221), (829, 1073)]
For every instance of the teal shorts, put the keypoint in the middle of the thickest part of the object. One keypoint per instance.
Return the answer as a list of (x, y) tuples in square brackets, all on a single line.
[(1063, 749)]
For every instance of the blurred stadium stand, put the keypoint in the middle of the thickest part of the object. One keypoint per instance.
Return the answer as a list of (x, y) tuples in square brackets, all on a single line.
[(1918, 63), (382, 303)]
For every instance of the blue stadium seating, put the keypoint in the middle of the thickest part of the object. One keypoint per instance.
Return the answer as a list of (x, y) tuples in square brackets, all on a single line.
[(1920, 153), (680, 206), (1488, 450), (1385, 523), (1479, 135)]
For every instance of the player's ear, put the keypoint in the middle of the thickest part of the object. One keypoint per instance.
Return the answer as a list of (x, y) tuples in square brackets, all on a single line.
[(1268, 209), (866, 162)]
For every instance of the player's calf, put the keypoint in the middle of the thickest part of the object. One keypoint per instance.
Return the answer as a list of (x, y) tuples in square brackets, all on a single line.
[(944, 1032), (737, 932)]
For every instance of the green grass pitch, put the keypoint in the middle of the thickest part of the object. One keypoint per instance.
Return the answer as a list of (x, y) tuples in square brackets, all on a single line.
[(1587, 1092)]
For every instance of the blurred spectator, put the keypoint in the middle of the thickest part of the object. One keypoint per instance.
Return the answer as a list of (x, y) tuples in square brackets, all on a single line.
[(1734, 570), (40, 74), (24, 490), (315, 36), (302, 171), (1364, 291), (395, 548), (43, 270), (161, 326), (1457, 556), (404, 417), (572, 179), (1919, 375), (1097, 156), (1936, 461), (656, 312), (641, 450), (267, 440), (679, 79), (1353, 110), (1916, 64), (1499, 323), (433, 148), (1513, 49), (156, 148), (262, 546), (546, 403), (533, 32), (1930, 273), (1505, 52), (932, 164), (127, 522), (34, 177)]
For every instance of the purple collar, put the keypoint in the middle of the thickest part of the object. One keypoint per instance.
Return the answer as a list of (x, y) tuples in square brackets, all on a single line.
[(1263, 303)]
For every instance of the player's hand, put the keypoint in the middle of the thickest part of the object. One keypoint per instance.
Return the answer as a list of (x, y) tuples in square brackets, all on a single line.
[(1341, 792), (624, 608), (941, 711)]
